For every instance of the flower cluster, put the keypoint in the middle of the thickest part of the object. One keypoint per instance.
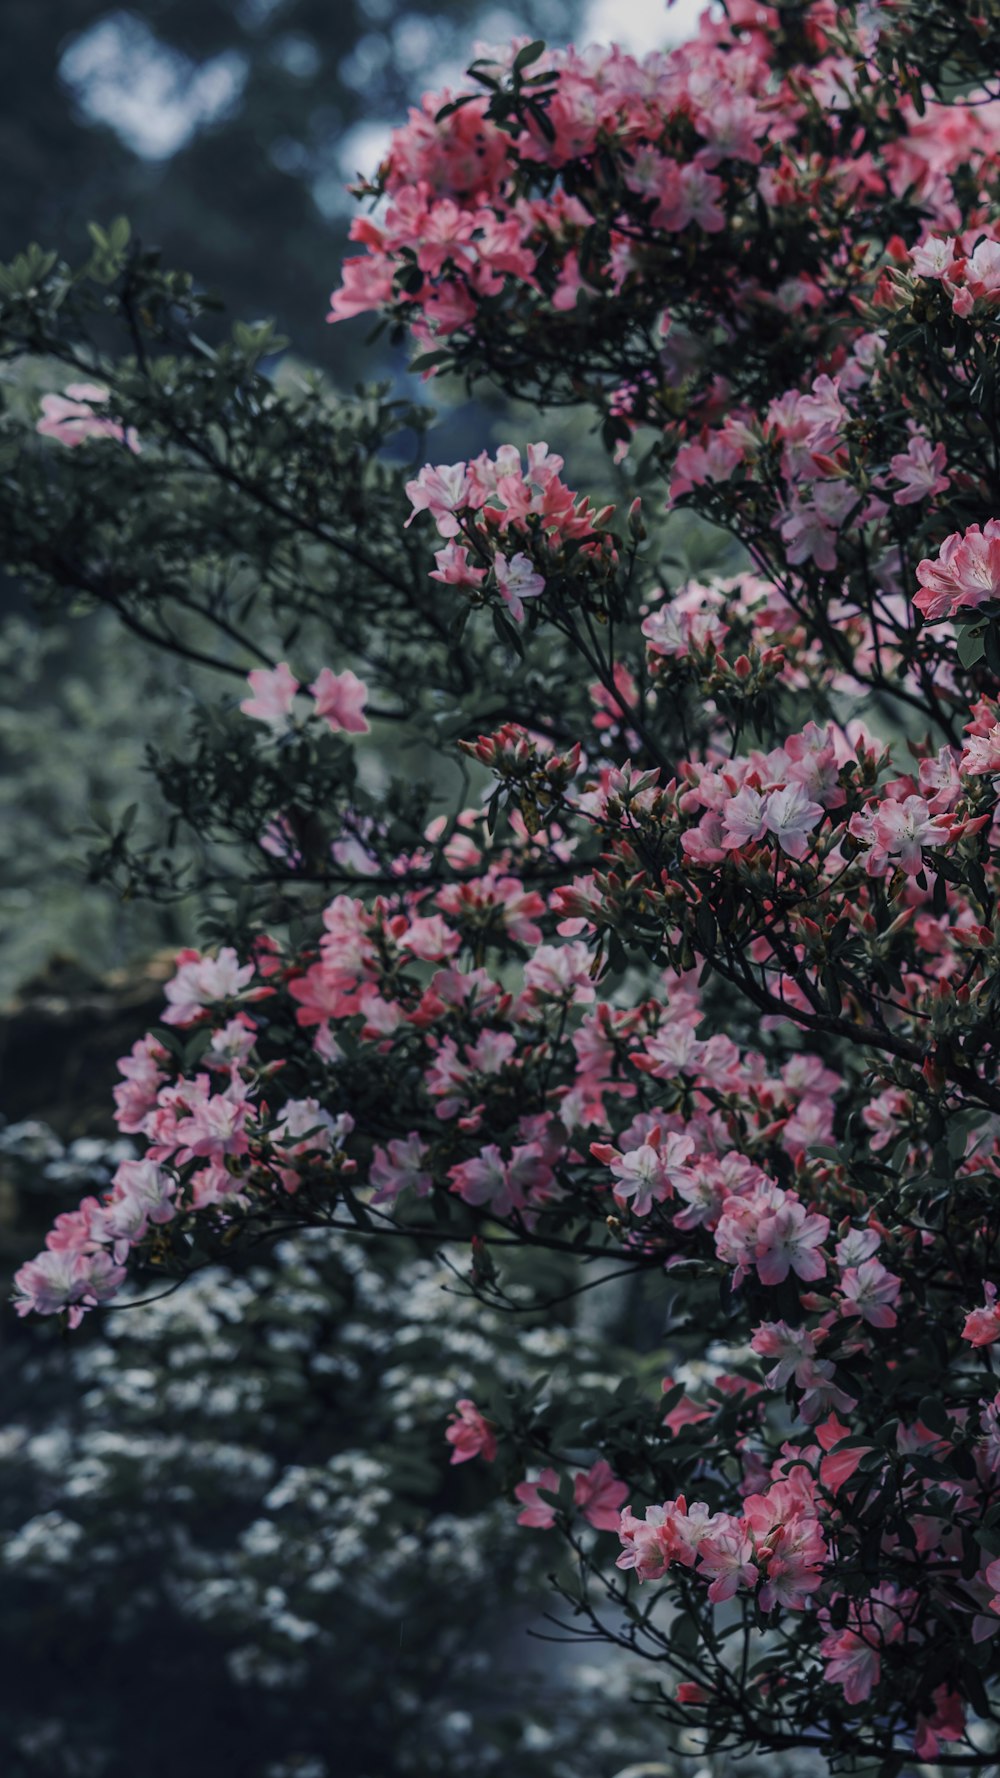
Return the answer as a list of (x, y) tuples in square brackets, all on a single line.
[(509, 518)]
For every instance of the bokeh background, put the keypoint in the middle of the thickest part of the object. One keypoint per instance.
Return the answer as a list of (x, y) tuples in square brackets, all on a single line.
[(230, 1545), (227, 131)]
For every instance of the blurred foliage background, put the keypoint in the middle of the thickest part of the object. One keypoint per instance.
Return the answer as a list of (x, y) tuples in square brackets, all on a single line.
[(227, 131)]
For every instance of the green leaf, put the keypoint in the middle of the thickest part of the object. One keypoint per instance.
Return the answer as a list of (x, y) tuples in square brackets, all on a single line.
[(970, 645), (427, 360), (530, 53), (705, 926)]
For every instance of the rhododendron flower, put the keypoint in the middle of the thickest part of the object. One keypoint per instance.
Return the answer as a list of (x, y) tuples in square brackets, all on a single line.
[(870, 1291), (648, 1173), (561, 972), (503, 1185), (652, 1543), (306, 1126), (965, 575), (599, 1496), (788, 1544), (430, 938), (517, 580), (675, 628), (852, 1663), (215, 1125), (726, 1554), (142, 1075), (455, 569), (981, 753), (933, 257), (204, 981), (442, 491), (837, 1467), (982, 1326), (771, 1230), (794, 1347), (921, 469), (790, 817), (274, 690), (340, 700), (142, 1193), (982, 272), (71, 418), (788, 1239), (367, 284), (857, 1245), (469, 1435), (538, 1514), (744, 817), (66, 1279), (897, 830), (947, 1723), (853, 1655), (690, 1692)]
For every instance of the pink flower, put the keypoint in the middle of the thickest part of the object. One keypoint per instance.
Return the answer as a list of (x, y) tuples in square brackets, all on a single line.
[(142, 1077), (274, 690), (965, 575), (791, 816), (68, 1279), (487, 1179), (518, 580), (947, 1723), (71, 418), (599, 1496), (726, 1554), (894, 829), (689, 194), (933, 258), (340, 700), (788, 1543), (143, 1192), (745, 818), (793, 1347), (538, 1514), (652, 1543), (648, 1173), (920, 469), (870, 1291), (441, 491), (981, 753), (469, 1434), (788, 1239), (560, 972), (430, 938), (982, 272), (211, 1124), (982, 1326), (399, 1168), (367, 285), (852, 1663), (202, 981), (454, 569)]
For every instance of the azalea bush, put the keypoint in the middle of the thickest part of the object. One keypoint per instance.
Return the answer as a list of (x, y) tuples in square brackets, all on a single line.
[(562, 901)]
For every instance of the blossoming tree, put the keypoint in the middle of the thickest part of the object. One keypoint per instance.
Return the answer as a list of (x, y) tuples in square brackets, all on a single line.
[(697, 976)]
